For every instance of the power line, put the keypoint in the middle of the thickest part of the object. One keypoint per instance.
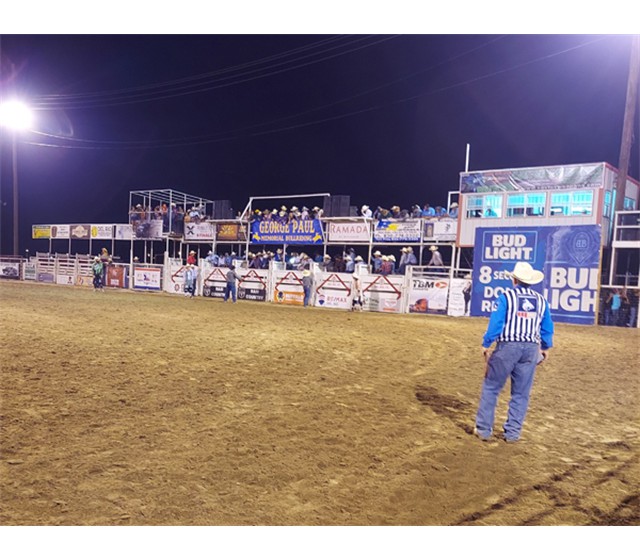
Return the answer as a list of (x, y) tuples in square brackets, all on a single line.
[(230, 135)]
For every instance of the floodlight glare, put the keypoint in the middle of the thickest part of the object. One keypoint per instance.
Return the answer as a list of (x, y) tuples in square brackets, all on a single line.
[(16, 115)]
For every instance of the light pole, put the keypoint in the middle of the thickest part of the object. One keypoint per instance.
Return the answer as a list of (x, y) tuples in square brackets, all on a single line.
[(15, 116)]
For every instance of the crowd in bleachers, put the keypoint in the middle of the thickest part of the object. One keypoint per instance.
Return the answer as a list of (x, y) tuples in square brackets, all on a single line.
[(173, 216), (285, 215)]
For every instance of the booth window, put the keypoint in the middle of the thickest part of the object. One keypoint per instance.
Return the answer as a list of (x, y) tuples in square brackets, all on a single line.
[(474, 206), (573, 203), (526, 204), (607, 204), (492, 206), (629, 203)]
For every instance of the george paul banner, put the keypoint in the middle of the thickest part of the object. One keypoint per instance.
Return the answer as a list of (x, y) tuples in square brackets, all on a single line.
[(569, 256)]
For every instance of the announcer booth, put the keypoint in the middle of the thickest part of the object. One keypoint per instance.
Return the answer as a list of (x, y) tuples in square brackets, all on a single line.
[(559, 219)]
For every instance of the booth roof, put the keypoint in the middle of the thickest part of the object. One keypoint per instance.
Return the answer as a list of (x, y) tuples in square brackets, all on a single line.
[(169, 195)]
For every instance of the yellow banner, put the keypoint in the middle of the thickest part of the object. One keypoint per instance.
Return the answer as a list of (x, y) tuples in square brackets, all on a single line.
[(40, 232)]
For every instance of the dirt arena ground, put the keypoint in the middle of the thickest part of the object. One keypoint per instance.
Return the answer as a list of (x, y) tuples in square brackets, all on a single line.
[(124, 408)]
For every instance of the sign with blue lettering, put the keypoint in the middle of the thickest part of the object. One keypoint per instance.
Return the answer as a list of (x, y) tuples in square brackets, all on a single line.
[(295, 232), (569, 256)]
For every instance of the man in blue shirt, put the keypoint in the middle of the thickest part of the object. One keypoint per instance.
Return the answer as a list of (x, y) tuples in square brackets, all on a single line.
[(522, 326)]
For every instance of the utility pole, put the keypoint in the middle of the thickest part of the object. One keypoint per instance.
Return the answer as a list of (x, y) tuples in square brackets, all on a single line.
[(627, 127)]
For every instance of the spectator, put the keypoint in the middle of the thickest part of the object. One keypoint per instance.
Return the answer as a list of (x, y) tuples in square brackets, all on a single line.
[(254, 260), (350, 264), (212, 258), (403, 261), (376, 262), (453, 211), (106, 260), (366, 211), (392, 263), (612, 308), (410, 258), (395, 212), (416, 211), (357, 293), (632, 298), (428, 212), (191, 259), (386, 267), (305, 213), (279, 256), (440, 212), (436, 259)]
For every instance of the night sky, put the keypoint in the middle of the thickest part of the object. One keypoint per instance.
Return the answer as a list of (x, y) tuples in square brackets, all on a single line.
[(382, 118)]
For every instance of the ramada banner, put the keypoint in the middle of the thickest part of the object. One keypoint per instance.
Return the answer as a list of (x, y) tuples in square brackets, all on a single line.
[(569, 256), (349, 231), (296, 232)]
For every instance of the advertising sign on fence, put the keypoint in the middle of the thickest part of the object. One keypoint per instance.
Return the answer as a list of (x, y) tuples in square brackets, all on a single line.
[(382, 293), (29, 271), (440, 230), (117, 276), (288, 287), (80, 231), (569, 256), (124, 231), (61, 231), (175, 280), (396, 232), (10, 269), (428, 295), (334, 290), (349, 231), (194, 231), (214, 281), (40, 232), (295, 232), (253, 285), (231, 232), (147, 278), (459, 297), (102, 231)]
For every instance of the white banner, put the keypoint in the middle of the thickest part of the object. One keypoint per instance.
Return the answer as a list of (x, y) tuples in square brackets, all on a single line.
[(349, 231), (10, 269), (60, 232), (459, 297), (198, 231), (124, 231), (102, 231), (147, 278), (382, 293), (288, 287), (66, 279), (29, 271), (445, 230), (333, 290), (428, 295)]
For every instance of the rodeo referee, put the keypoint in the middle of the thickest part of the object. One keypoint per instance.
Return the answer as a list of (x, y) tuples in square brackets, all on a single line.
[(522, 325)]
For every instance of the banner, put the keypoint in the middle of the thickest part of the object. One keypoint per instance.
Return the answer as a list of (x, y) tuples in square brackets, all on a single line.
[(60, 232), (288, 287), (395, 232), (46, 277), (231, 232), (214, 280), (147, 278), (29, 271), (334, 290), (296, 232), (124, 231), (66, 279), (202, 231), (40, 232), (80, 231), (569, 256), (382, 293), (349, 231), (148, 229), (253, 286), (10, 269), (459, 297), (534, 179), (102, 231), (117, 276), (428, 295), (175, 280)]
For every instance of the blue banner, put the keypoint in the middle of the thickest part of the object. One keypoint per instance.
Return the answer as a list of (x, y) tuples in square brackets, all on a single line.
[(569, 256), (295, 232)]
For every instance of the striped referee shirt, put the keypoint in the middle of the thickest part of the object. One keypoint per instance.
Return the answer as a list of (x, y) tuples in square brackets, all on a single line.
[(522, 315)]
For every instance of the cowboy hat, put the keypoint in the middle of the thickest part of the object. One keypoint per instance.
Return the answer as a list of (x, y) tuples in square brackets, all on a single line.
[(306, 273), (454, 205), (377, 254), (433, 248), (524, 272)]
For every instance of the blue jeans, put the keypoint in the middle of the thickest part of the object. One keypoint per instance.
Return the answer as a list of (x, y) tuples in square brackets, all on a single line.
[(510, 359), (307, 294), (230, 289)]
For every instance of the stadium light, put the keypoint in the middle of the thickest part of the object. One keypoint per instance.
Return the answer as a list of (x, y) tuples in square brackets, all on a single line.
[(15, 115)]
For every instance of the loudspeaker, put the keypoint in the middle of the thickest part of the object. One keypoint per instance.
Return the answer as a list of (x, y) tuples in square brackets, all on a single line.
[(339, 206), (221, 210)]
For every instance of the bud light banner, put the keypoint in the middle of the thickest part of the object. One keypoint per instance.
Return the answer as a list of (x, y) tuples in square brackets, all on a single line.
[(569, 257)]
